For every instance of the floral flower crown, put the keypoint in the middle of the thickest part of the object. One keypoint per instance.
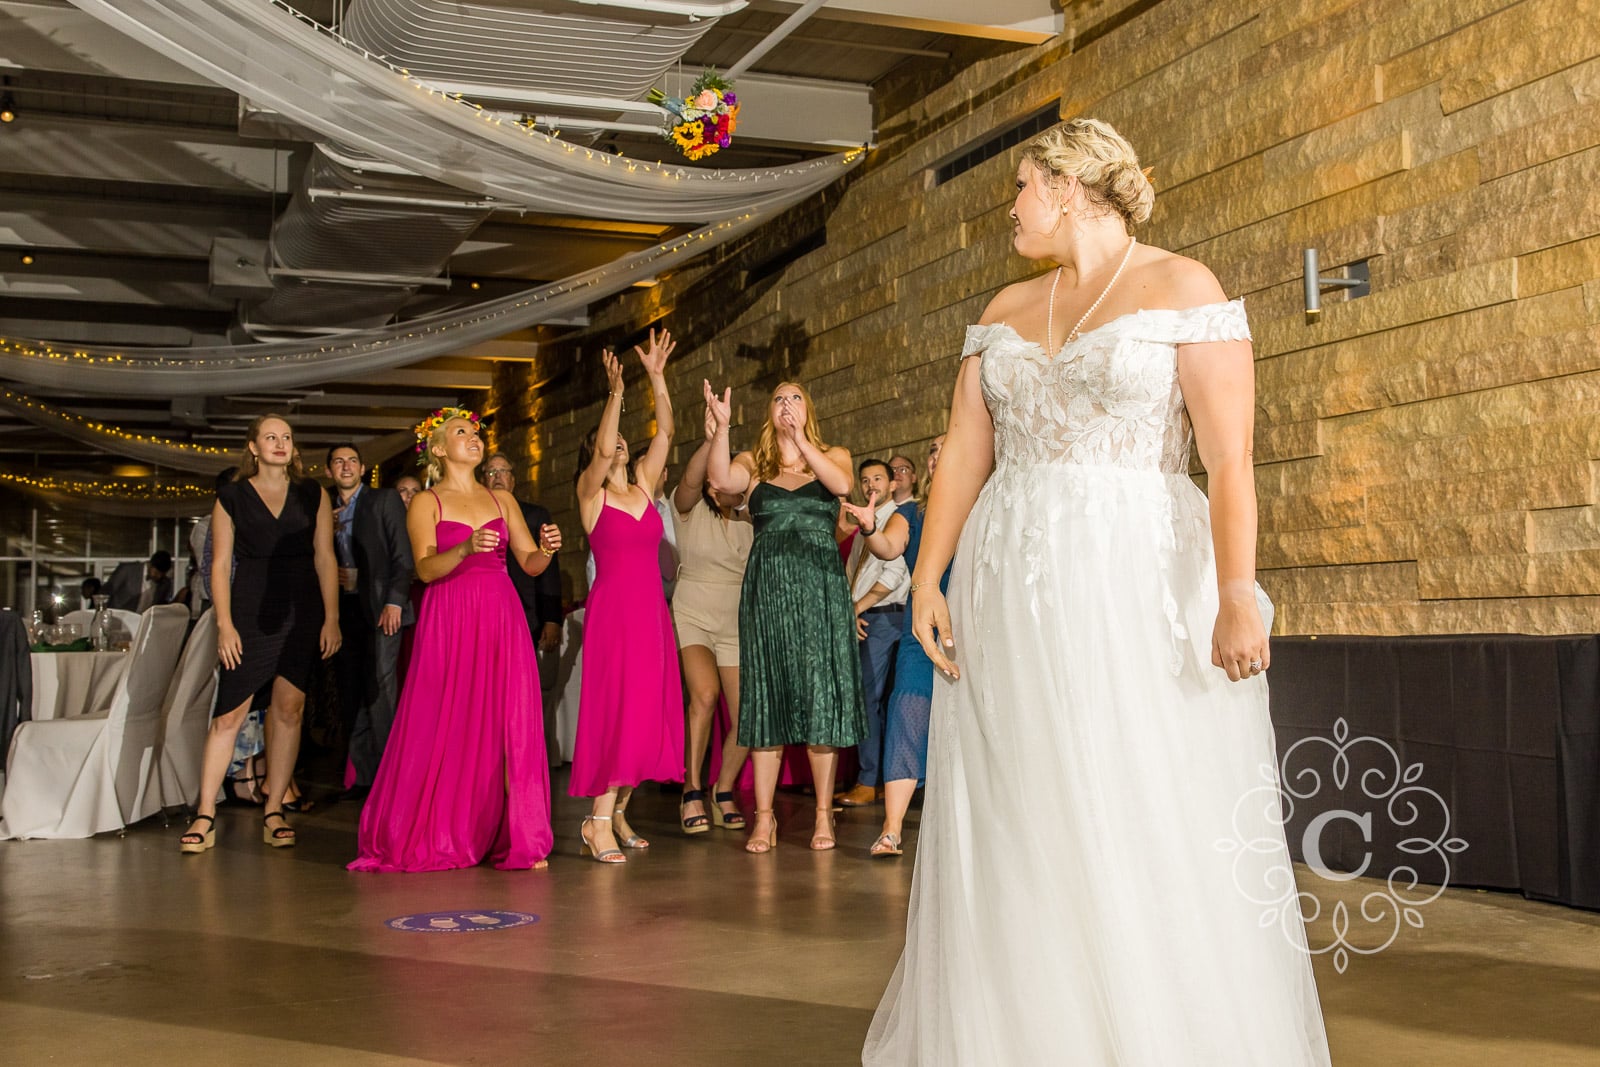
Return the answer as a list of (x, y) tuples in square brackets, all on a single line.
[(425, 428)]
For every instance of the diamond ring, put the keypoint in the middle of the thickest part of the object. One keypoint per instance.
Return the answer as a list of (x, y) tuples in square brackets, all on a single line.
[(1255, 666)]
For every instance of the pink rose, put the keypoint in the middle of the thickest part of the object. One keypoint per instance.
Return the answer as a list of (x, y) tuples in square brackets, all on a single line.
[(706, 100)]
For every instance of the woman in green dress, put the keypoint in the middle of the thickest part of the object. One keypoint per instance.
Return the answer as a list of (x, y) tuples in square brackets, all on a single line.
[(798, 664)]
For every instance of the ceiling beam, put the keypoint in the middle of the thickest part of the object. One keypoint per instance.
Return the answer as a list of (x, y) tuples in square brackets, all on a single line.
[(60, 146), (123, 227), (1016, 21)]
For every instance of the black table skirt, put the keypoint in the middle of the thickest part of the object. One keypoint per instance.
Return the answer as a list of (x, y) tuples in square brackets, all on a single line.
[(1506, 728)]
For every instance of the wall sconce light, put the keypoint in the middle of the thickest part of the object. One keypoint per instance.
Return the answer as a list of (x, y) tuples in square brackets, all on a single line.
[(1357, 280), (8, 103), (27, 259)]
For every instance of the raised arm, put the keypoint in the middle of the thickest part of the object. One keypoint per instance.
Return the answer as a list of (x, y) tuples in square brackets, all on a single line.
[(655, 362), (726, 475), (888, 543), (964, 466), (533, 557), (593, 477), (693, 480)]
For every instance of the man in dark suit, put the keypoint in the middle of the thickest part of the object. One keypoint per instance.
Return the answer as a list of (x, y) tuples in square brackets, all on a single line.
[(375, 563), (541, 600)]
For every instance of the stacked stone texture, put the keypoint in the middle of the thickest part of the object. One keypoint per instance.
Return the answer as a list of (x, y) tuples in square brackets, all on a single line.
[(1428, 457)]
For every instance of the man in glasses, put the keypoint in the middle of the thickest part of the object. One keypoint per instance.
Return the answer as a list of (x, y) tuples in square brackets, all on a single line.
[(375, 562), (903, 480)]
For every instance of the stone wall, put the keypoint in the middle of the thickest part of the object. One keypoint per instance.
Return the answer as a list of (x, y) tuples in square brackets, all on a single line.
[(1428, 455)]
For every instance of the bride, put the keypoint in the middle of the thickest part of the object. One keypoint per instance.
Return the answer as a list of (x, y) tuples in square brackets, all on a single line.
[(1098, 734)]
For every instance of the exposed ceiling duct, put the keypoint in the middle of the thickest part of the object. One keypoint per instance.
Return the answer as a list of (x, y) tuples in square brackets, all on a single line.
[(353, 247)]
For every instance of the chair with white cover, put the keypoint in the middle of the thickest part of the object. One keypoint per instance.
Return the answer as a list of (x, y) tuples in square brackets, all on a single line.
[(85, 775), (187, 715)]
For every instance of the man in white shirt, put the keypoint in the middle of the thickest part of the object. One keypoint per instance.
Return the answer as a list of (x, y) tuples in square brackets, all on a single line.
[(879, 588)]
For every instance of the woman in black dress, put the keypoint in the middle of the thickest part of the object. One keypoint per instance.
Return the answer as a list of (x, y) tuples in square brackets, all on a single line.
[(272, 528)]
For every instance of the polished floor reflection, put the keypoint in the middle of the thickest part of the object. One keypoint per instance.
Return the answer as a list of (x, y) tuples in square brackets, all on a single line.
[(122, 950)]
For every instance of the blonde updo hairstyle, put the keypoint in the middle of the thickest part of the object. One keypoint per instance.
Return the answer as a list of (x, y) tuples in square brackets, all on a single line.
[(432, 462), (1103, 162)]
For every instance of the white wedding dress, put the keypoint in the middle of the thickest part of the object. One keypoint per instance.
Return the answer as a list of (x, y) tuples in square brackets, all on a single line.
[(1076, 900)]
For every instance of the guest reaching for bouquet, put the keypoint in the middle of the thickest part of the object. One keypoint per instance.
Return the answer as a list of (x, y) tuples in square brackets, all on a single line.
[(630, 712)]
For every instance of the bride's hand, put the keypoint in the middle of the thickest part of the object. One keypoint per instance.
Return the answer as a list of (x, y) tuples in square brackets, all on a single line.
[(930, 623), (1239, 641)]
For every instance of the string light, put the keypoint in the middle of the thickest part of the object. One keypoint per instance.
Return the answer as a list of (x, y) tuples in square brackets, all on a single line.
[(118, 488), (490, 314), (530, 130), (101, 430)]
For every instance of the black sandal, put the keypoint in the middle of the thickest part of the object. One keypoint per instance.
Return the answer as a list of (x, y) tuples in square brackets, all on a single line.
[(199, 840), (693, 824), (283, 836), (728, 820), (252, 797)]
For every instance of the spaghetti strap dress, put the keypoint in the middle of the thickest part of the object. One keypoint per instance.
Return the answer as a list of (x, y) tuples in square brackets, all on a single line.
[(276, 604), (630, 711), (464, 776)]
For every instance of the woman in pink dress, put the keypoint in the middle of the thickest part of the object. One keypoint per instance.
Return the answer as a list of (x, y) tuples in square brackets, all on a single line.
[(630, 714), (464, 775)]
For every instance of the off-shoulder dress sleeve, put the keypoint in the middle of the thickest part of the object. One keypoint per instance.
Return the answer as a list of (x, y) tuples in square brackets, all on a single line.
[(980, 338), (1224, 321)]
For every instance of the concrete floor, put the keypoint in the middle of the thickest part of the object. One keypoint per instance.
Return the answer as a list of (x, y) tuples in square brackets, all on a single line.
[(124, 951)]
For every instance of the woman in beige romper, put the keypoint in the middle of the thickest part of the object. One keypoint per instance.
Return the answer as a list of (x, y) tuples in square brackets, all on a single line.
[(713, 544)]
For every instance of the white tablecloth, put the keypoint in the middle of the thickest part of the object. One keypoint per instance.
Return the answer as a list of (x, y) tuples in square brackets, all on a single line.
[(67, 684)]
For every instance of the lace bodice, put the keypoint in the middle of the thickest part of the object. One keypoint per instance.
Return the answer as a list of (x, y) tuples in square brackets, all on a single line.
[(1109, 398)]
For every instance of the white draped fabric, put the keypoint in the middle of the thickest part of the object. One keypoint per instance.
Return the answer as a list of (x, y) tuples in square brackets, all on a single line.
[(275, 58), (292, 364), (173, 455)]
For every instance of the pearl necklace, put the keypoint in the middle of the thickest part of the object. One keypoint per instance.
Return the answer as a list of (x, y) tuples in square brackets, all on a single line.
[(1050, 314)]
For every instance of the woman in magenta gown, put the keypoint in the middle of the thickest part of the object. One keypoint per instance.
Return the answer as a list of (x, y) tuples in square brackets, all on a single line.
[(464, 775), (630, 714)]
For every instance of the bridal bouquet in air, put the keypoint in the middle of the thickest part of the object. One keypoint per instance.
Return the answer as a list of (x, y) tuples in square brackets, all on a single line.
[(705, 119)]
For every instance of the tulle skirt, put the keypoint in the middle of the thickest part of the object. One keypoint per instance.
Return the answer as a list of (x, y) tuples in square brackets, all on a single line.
[(1076, 899)]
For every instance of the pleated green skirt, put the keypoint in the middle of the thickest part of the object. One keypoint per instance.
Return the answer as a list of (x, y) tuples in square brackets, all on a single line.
[(799, 669)]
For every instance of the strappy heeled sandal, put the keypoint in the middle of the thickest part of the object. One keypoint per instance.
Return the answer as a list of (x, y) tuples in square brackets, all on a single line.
[(283, 836), (632, 840), (199, 840), (587, 847), (728, 820), (763, 844), (693, 824), (252, 795), (823, 840), (886, 845)]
